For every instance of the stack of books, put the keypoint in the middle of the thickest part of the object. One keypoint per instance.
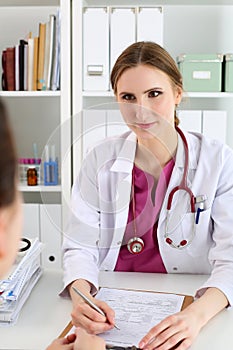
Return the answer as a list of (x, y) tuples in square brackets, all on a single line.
[(16, 287), (34, 63)]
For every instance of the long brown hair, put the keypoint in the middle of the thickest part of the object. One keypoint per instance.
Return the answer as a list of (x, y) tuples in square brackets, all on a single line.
[(147, 53), (8, 161)]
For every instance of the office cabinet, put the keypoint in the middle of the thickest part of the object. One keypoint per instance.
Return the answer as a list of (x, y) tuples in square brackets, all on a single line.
[(190, 27), (41, 117)]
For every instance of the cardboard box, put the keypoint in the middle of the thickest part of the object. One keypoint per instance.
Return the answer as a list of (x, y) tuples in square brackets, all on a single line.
[(228, 72), (201, 72)]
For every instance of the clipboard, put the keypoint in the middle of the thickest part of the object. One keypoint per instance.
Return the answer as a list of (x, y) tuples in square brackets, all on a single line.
[(188, 299)]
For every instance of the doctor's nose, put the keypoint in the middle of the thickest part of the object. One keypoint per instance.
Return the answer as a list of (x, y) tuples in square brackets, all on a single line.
[(141, 111)]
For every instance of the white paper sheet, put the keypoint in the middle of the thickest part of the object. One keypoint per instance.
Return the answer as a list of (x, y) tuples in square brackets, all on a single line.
[(136, 313)]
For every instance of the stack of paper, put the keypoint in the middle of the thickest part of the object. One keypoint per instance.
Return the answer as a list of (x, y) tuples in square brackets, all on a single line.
[(16, 287)]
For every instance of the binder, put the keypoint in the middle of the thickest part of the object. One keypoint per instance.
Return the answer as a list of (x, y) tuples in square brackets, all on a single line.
[(22, 56), (50, 225), (30, 67), (94, 128), (49, 48), (55, 72), (96, 49), (41, 53), (35, 63), (122, 31), (215, 124), (190, 120), (17, 67), (31, 222), (150, 24)]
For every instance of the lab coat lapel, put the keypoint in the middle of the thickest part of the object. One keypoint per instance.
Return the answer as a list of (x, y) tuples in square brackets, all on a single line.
[(122, 167)]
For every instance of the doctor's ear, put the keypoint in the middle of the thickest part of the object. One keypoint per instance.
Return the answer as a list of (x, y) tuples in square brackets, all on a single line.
[(178, 95)]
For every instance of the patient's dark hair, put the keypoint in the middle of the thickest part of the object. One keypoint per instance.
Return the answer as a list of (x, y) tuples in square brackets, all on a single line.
[(8, 161)]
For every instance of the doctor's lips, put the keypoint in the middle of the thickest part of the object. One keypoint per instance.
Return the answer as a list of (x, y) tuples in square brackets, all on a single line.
[(145, 125)]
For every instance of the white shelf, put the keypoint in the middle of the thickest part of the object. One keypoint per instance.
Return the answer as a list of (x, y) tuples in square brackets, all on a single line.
[(208, 94), (30, 93), (98, 94), (186, 94), (29, 3), (157, 2), (25, 188)]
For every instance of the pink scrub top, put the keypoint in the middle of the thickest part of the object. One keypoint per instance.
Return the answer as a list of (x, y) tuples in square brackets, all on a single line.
[(148, 202)]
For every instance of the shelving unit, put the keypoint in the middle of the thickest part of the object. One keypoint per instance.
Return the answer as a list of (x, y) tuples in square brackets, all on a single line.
[(189, 27), (25, 188), (30, 93), (188, 94), (41, 116)]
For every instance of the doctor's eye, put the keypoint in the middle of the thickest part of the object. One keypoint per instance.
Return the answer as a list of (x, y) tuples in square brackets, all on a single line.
[(154, 93), (128, 97)]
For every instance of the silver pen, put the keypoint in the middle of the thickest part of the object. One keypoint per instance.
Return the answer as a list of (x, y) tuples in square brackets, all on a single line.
[(90, 303)]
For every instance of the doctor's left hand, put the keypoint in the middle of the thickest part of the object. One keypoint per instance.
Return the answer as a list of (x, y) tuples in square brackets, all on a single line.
[(177, 331)]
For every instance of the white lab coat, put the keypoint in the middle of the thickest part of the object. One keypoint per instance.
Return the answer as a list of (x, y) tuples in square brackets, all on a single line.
[(100, 203)]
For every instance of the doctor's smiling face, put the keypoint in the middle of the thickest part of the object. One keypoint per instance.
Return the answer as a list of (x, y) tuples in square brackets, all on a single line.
[(146, 98), (148, 87)]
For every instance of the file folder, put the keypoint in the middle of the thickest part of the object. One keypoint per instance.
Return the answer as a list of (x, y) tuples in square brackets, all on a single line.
[(31, 222), (150, 24), (115, 123), (94, 128), (122, 32), (190, 120), (51, 235), (215, 124), (95, 49)]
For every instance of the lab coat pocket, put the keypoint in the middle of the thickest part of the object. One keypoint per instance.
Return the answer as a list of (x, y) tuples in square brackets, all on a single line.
[(200, 232)]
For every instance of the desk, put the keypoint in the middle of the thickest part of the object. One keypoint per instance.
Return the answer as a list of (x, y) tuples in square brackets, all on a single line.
[(42, 317), (41, 329)]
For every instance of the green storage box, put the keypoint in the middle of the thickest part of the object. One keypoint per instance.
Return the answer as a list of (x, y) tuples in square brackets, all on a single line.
[(201, 72), (228, 74)]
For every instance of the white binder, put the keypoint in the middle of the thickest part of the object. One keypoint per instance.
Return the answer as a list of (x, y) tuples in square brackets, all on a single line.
[(122, 31), (95, 49), (94, 128), (150, 24), (51, 235), (31, 220), (115, 123), (215, 124), (190, 120)]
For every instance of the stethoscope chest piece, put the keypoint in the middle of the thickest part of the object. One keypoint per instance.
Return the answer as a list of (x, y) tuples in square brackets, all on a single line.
[(135, 245)]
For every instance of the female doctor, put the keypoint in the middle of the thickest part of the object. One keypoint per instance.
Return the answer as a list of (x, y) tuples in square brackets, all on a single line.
[(155, 199)]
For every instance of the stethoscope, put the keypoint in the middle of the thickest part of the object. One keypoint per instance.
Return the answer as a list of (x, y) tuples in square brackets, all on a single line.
[(136, 244)]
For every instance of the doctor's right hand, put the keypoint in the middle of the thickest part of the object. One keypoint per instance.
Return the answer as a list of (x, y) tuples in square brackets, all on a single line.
[(85, 316)]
